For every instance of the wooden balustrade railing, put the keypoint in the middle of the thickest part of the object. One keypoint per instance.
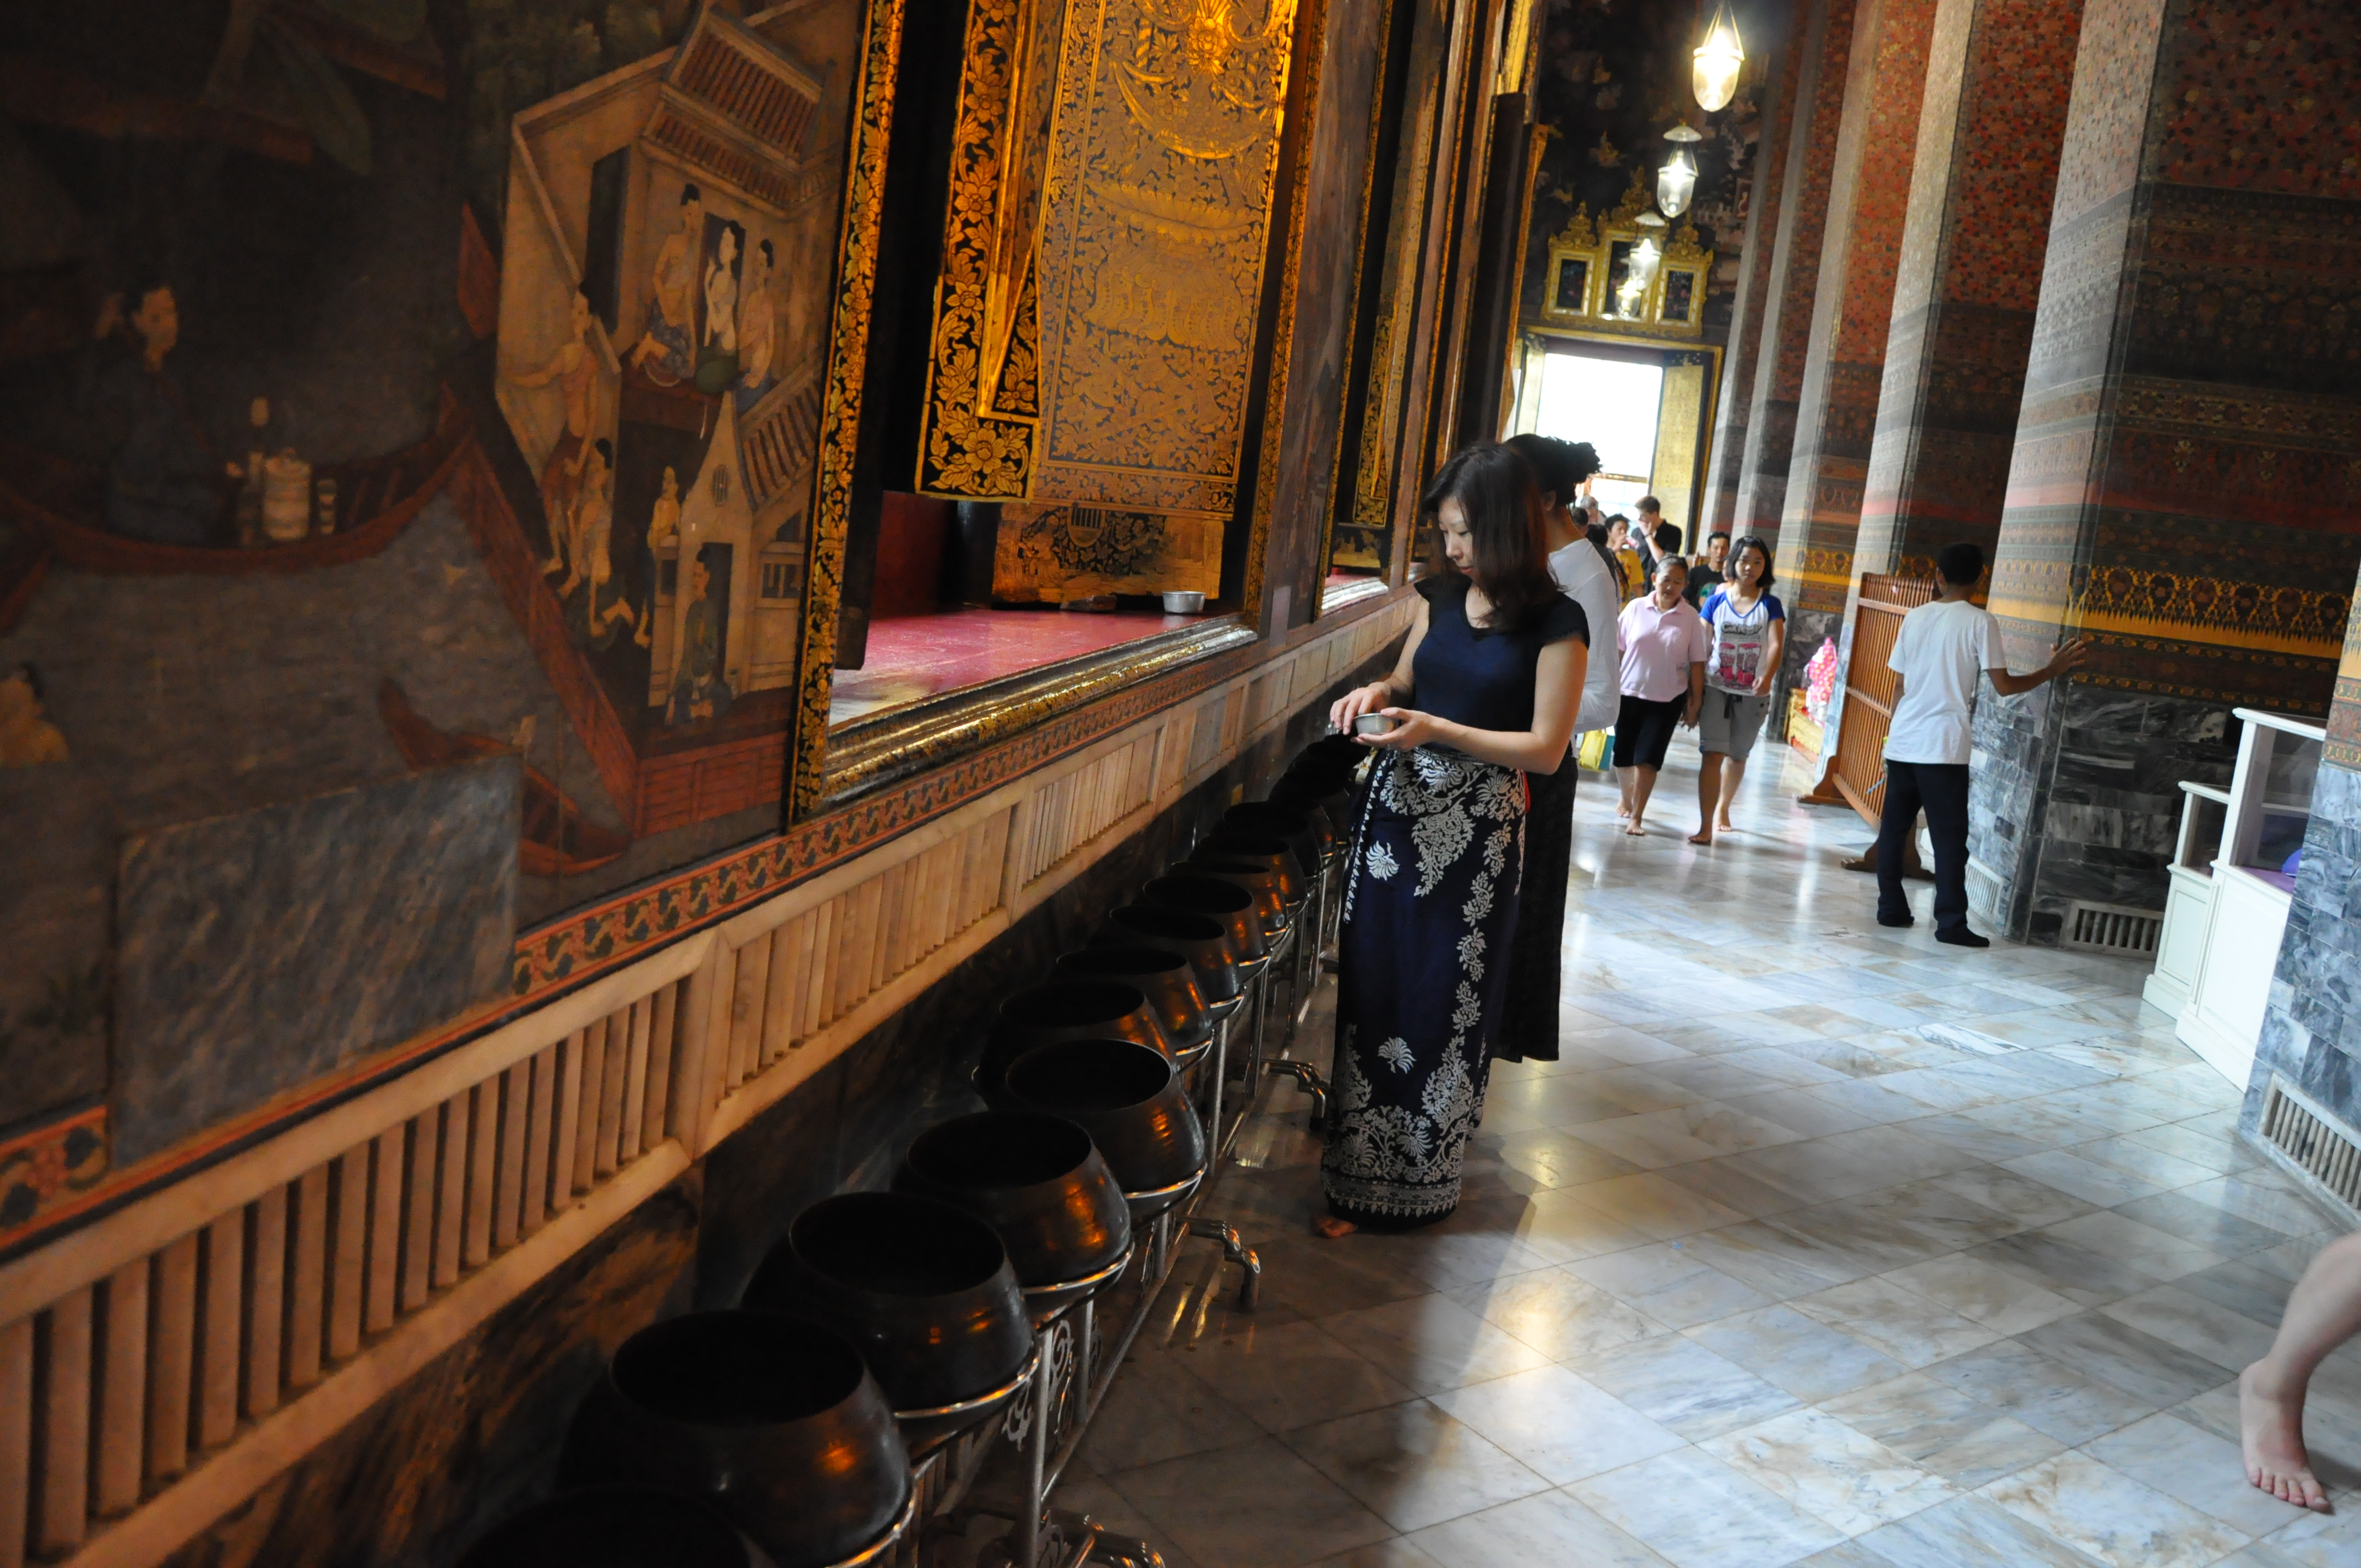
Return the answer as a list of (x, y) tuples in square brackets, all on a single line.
[(1856, 772), (160, 1364)]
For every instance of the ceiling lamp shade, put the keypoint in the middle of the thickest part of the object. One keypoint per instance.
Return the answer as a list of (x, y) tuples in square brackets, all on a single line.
[(1677, 182), (1648, 250), (1718, 62)]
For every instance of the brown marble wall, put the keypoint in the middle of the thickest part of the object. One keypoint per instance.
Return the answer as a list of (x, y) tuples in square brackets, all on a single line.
[(1735, 406), (2183, 488), (1820, 100)]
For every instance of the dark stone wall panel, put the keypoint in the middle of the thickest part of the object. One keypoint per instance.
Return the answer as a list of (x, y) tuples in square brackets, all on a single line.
[(260, 950)]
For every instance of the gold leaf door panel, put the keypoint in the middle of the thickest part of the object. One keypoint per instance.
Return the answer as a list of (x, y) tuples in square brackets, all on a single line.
[(1163, 151)]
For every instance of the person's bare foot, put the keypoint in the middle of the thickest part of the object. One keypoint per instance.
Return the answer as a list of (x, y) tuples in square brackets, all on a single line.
[(1622, 813), (2271, 1428), (1331, 1227), (1725, 826), (1701, 836), (1637, 829)]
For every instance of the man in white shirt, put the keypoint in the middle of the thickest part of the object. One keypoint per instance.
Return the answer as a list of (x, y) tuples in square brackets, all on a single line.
[(1528, 1023), (1937, 657)]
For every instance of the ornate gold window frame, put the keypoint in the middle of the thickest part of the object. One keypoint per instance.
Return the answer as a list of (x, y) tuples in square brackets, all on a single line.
[(1586, 258)]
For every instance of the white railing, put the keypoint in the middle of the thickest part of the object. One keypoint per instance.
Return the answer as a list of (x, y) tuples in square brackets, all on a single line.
[(162, 1364)]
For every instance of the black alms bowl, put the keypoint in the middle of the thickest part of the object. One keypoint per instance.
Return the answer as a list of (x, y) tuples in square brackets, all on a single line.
[(773, 1419), (924, 1291)]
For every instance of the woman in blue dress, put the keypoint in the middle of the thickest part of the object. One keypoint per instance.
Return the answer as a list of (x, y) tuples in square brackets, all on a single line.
[(1485, 692)]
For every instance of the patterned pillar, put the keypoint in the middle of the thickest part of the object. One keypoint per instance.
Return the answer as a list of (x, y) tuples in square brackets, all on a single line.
[(1795, 257), (2184, 489), (2311, 1025), (1852, 311), (1736, 403), (1998, 76)]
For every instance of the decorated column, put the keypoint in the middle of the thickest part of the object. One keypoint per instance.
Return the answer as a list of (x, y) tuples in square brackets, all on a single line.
[(1851, 315), (1735, 406), (2184, 490), (1794, 265)]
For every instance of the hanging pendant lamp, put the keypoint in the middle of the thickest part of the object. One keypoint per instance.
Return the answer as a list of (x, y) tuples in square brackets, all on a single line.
[(1718, 60), (1676, 181)]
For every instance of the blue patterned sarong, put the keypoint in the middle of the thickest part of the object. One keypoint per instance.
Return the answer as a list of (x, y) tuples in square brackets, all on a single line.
[(1430, 902)]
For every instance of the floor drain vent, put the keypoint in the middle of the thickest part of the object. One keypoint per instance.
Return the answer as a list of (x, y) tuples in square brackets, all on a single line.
[(2313, 1142), (2110, 928)]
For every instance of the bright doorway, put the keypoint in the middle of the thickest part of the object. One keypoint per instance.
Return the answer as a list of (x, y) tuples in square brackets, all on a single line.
[(1612, 404)]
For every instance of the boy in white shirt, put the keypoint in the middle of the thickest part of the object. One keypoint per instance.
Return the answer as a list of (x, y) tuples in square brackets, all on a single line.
[(1936, 658)]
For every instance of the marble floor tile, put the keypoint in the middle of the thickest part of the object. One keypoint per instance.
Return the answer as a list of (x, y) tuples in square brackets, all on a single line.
[(2218, 1150), (1636, 1091), (1806, 1358), (2077, 1273), (1904, 1324), (1836, 1473), (2152, 1252), (1725, 1183), (2316, 1540), (1669, 1285), (1942, 1431), (1447, 1254), (1777, 1261), (1684, 1133), (2105, 1513), (2200, 1327), (1967, 1530), (1683, 1386), (1414, 1465), (1974, 1138), (1558, 1313), (1316, 1278), (1727, 1520), (2029, 1202), (2103, 1185), (2250, 1288), (2052, 1397), (1650, 1203), (2039, 1122), (2267, 1197), (1275, 1511), (2146, 1367), (1727, 1076), (1802, 1112), (1287, 1376), (2200, 1224), (1619, 1045), (1984, 1293), (1550, 1229), (1954, 1089), (2188, 1462), (1398, 1553), (1431, 1343), (1155, 1411), (1555, 1158), (2125, 1152), (1558, 1424), (1551, 1527)]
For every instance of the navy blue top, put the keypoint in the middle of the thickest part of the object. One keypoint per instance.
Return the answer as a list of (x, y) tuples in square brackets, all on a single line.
[(1479, 678)]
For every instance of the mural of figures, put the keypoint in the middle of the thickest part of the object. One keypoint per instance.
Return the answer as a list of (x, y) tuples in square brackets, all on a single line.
[(367, 373)]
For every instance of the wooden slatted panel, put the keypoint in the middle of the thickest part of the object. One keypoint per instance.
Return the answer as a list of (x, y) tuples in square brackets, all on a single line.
[(386, 1168), (562, 1150), (173, 1359), (1859, 773), (266, 1271), (749, 981), (348, 1252), (222, 1305), (586, 1123), (661, 1041), (123, 1391), (610, 1094), (65, 1425), (16, 1440), (418, 1220), (628, 1139), (307, 1279)]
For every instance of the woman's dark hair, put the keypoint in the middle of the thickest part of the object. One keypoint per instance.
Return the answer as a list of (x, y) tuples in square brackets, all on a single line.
[(1737, 548), (1496, 492), (1596, 533), (1559, 466)]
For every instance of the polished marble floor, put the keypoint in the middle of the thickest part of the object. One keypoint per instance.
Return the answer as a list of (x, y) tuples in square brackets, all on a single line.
[(1823, 1244)]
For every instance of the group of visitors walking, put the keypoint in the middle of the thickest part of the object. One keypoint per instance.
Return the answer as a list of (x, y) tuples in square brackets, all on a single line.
[(1535, 627)]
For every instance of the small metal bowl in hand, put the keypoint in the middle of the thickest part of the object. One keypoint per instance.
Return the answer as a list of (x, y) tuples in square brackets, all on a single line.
[(1375, 724)]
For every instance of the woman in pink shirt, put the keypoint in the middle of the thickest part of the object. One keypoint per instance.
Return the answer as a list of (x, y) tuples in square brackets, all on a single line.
[(1663, 641)]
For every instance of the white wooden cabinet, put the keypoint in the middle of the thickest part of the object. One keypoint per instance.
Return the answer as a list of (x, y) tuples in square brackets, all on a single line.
[(2244, 901)]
